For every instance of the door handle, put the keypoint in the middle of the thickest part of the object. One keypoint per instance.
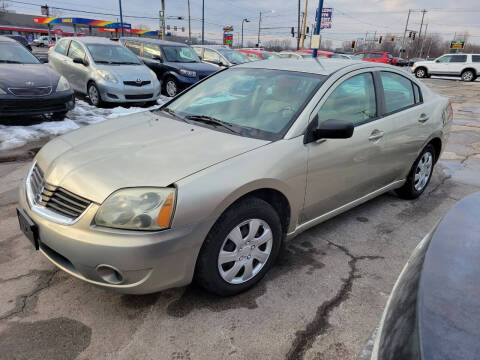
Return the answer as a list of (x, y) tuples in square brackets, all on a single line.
[(423, 117), (376, 135)]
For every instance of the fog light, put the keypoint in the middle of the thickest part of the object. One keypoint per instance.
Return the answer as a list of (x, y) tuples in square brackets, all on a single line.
[(109, 274)]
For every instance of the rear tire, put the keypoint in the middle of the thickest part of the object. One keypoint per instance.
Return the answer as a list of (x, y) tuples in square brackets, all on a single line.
[(240, 248), (468, 75), (420, 174)]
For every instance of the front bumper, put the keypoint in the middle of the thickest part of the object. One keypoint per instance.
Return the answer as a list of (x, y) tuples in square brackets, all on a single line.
[(120, 93), (11, 105), (148, 261)]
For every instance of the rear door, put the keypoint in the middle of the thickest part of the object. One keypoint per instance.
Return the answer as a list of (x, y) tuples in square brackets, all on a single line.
[(457, 64)]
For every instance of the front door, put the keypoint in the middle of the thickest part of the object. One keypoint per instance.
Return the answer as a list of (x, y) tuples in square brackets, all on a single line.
[(77, 74), (343, 170)]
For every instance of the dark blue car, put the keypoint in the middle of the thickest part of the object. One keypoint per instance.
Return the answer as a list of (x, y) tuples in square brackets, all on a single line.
[(177, 65)]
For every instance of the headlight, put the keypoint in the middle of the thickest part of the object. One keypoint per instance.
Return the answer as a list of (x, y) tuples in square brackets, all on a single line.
[(63, 84), (107, 75), (137, 209), (154, 76), (188, 73), (2, 92)]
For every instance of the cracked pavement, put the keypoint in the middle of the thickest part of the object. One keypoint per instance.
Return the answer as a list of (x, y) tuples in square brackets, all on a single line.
[(322, 300)]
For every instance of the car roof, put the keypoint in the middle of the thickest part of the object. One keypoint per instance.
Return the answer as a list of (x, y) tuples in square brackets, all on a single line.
[(91, 40), (214, 47), (312, 66), (153, 41), (7, 39), (255, 51)]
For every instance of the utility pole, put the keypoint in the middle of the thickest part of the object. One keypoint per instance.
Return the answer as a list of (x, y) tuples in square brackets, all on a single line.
[(259, 24), (189, 24), (162, 21), (298, 26), (421, 26), (365, 41), (405, 33), (318, 24), (423, 39), (203, 22), (304, 27), (244, 21), (121, 16)]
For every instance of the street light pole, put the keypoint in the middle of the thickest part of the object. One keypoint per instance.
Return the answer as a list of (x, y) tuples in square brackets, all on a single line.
[(189, 24), (243, 21), (259, 24), (203, 22), (317, 25), (121, 16)]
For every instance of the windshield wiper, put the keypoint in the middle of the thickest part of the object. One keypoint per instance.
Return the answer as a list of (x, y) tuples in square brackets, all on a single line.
[(212, 121), (103, 62), (124, 63), (174, 114), (10, 62)]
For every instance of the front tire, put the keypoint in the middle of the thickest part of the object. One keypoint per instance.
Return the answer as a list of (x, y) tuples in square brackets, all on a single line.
[(170, 87), (468, 75), (420, 175), (94, 95), (240, 248), (421, 73)]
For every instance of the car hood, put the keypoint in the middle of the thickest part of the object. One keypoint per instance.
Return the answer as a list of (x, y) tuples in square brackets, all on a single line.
[(200, 67), (128, 72), (17, 75), (143, 149)]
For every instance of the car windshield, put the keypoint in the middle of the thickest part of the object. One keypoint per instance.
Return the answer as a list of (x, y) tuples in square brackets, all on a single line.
[(258, 103), (181, 54), (267, 56), (14, 53), (234, 57), (112, 54)]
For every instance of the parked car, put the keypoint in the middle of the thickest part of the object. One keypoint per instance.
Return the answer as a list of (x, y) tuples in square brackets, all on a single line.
[(414, 60), (176, 65), (320, 53), (293, 55), (209, 185), (467, 66), (376, 56), (42, 41), (432, 312), (21, 40), (398, 61), (104, 70), (256, 54), (220, 55), (28, 87)]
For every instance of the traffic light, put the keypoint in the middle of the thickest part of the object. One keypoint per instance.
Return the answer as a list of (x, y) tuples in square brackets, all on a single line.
[(292, 31), (380, 39), (353, 44), (413, 36), (410, 34), (392, 38)]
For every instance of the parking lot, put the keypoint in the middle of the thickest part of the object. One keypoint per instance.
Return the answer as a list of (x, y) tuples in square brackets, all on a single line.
[(322, 300)]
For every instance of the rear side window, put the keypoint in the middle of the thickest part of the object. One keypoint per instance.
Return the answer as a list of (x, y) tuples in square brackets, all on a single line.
[(61, 47), (459, 58), (373, 56), (353, 100), (398, 91), (476, 58), (210, 55), (198, 51), (136, 48), (76, 51)]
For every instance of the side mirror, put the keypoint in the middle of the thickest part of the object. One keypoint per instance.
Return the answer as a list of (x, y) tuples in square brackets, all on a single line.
[(43, 59), (80, 61), (158, 58), (329, 129)]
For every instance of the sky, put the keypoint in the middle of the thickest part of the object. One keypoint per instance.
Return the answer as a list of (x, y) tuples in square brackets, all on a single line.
[(352, 19)]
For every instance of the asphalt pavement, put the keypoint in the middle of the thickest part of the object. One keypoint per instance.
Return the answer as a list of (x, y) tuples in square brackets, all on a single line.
[(321, 301)]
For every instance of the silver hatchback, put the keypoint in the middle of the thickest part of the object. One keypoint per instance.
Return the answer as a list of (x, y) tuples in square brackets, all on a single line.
[(104, 70)]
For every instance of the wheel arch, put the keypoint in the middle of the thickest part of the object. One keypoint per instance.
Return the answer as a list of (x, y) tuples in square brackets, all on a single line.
[(437, 144), (471, 69)]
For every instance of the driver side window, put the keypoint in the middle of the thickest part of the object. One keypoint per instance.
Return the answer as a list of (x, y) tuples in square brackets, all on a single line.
[(353, 100), (444, 59), (211, 56)]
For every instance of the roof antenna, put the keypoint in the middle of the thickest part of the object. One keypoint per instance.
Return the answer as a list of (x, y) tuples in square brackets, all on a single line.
[(319, 63)]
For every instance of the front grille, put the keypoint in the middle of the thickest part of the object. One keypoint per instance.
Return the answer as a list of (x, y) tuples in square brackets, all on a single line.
[(38, 91), (54, 198), (139, 84), (33, 105), (138, 97)]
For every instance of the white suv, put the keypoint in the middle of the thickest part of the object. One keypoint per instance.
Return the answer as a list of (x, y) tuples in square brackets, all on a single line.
[(467, 66)]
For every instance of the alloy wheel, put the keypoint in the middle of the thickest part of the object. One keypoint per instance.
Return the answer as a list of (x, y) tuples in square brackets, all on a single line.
[(423, 171), (467, 76), (420, 73), (245, 251), (171, 88)]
